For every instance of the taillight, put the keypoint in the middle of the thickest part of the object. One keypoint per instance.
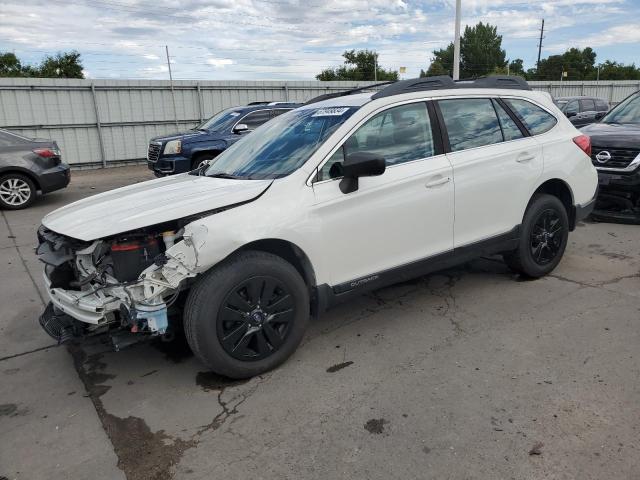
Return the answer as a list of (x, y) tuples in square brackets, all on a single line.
[(46, 152), (584, 142)]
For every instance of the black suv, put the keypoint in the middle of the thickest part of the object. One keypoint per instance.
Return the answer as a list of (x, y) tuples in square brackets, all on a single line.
[(185, 151), (582, 111), (615, 152)]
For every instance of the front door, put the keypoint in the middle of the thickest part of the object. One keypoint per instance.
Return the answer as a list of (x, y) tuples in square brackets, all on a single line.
[(403, 215)]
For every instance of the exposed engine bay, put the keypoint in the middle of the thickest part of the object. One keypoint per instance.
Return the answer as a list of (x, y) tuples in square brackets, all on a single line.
[(128, 282)]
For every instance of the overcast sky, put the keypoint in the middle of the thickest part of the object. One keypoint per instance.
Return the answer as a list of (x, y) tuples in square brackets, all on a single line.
[(295, 39)]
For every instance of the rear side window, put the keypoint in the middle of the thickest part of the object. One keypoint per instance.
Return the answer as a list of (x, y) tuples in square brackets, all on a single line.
[(536, 119), (510, 130), (470, 122), (10, 140)]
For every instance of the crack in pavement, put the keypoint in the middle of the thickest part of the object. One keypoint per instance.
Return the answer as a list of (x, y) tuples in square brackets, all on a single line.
[(22, 259)]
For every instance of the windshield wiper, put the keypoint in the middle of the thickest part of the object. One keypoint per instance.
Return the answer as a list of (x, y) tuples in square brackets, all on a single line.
[(226, 175)]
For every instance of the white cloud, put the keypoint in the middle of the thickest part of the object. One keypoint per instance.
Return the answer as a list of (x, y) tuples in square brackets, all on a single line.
[(219, 62), (250, 39)]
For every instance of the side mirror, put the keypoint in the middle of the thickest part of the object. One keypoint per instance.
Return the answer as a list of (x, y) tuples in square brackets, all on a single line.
[(571, 114), (360, 164), (240, 128)]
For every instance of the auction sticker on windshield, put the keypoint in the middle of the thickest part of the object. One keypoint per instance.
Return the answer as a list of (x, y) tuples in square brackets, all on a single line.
[(330, 112)]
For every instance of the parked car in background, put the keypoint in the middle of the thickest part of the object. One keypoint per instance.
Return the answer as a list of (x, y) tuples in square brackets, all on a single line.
[(325, 202), (185, 151), (615, 153), (582, 110), (27, 166)]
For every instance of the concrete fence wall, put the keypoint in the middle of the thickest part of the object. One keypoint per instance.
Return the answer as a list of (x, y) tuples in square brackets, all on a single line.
[(108, 122)]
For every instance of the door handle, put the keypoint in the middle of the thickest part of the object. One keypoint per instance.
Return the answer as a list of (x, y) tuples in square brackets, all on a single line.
[(525, 157), (438, 182)]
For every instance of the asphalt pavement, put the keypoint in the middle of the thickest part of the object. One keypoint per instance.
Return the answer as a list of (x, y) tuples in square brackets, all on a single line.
[(472, 373)]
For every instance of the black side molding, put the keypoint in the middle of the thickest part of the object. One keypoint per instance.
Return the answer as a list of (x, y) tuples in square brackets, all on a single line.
[(328, 296)]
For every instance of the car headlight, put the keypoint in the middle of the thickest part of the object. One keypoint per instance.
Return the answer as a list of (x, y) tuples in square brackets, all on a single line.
[(173, 147)]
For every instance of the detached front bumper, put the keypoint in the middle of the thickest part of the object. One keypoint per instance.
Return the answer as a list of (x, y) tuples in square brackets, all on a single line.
[(83, 306)]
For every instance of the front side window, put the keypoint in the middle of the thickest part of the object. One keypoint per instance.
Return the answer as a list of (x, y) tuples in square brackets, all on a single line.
[(255, 119), (536, 119), (279, 111), (470, 122), (601, 105), (399, 134), (281, 146), (627, 112)]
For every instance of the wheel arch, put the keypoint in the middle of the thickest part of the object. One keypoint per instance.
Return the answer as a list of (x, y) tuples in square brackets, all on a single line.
[(24, 172), (561, 190), (292, 254)]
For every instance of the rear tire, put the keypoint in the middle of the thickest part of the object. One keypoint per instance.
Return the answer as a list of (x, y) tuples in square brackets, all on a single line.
[(16, 191), (247, 315), (543, 237)]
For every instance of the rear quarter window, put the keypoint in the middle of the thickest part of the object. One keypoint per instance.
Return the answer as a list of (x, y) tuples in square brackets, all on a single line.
[(536, 119)]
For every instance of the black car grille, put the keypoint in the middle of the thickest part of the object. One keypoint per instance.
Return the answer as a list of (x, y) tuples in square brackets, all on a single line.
[(154, 152), (620, 158)]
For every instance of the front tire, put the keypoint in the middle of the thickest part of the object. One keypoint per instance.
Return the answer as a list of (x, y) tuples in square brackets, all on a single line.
[(199, 159), (543, 237), (16, 191), (247, 315)]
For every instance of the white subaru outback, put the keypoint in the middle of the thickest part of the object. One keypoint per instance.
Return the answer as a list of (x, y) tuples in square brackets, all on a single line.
[(350, 192)]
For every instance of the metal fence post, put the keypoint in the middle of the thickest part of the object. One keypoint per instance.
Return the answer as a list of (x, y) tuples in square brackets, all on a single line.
[(611, 93), (98, 125), (200, 107), (286, 91)]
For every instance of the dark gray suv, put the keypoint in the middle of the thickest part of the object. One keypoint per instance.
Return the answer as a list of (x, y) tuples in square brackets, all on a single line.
[(582, 110), (27, 166)]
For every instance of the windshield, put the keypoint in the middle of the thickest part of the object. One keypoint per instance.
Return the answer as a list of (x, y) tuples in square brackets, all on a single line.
[(281, 146), (220, 120), (627, 112)]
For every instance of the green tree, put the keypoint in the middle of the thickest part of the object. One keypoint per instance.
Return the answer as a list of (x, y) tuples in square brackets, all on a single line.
[(10, 65), (516, 67), (358, 65), (579, 65), (481, 53), (610, 70), (62, 65)]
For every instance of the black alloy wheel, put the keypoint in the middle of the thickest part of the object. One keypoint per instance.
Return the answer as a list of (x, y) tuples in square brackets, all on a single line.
[(255, 317), (546, 237)]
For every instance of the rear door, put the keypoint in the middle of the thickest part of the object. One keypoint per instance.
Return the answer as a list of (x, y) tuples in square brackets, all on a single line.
[(495, 165)]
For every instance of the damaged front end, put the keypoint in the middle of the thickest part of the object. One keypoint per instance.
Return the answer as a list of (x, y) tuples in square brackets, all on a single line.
[(127, 284)]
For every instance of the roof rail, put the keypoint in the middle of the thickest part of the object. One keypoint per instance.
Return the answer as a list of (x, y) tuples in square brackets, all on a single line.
[(445, 82), (344, 93)]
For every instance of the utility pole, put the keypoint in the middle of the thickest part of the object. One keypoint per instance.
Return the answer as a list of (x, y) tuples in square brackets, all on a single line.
[(540, 48), (456, 43), (173, 93), (375, 67)]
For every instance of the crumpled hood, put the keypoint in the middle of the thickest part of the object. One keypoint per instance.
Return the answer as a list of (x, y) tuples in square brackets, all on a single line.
[(149, 203)]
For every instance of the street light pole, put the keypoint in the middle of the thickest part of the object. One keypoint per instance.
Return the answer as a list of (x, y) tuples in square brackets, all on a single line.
[(173, 93), (456, 43)]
